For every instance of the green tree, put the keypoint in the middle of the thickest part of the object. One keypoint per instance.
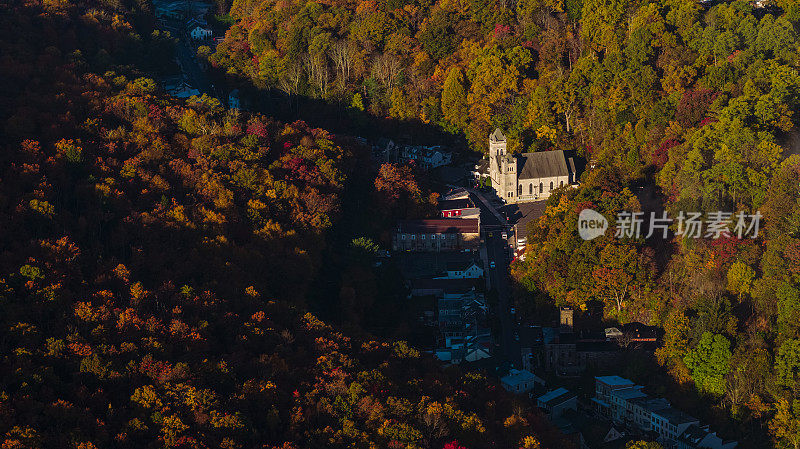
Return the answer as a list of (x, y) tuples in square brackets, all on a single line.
[(454, 98), (709, 362), (601, 23), (740, 278), (787, 362)]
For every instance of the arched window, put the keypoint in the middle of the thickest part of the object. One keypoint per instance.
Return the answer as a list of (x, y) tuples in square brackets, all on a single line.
[(561, 184), (541, 188), (551, 186), (519, 190), (530, 189)]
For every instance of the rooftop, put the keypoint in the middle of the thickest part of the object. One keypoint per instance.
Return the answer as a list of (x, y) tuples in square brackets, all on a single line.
[(482, 167), (675, 416), (516, 377), (542, 164), (497, 136), (651, 404), (461, 266), (614, 381), (439, 226), (456, 194), (693, 434), (445, 285), (460, 203), (630, 393), (555, 397)]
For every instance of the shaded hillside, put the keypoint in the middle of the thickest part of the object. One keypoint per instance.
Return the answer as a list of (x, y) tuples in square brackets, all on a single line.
[(154, 260)]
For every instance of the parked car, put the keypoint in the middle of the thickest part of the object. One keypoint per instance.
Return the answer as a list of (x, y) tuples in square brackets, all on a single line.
[(491, 264), (504, 235)]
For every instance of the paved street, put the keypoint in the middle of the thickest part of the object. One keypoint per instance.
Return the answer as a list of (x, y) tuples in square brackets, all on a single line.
[(191, 67), (497, 250)]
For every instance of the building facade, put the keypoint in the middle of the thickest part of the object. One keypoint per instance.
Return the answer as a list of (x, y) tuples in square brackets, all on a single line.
[(526, 177), (624, 402), (464, 334), (434, 235)]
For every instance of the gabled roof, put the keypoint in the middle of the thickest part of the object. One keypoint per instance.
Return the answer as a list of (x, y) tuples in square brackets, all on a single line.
[(693, 434), (482, 167), (497, 136), (542, 164), (462, 265)]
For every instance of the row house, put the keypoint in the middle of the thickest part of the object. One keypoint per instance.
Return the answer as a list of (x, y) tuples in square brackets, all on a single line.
[(464, 334), (624, 402), (435, 235)]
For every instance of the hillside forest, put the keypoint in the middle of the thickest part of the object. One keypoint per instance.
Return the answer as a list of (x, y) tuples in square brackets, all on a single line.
[(156, 258), (692, 102)]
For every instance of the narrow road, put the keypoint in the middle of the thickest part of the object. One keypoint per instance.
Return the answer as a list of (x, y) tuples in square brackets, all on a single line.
[(497, 251), (187, 59), (191, 67)]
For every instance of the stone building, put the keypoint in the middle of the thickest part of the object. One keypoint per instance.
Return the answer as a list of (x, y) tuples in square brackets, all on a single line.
[(520, 178)]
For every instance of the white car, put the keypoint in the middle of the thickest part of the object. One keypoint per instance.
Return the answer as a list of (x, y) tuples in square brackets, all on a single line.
[(504, 235), (491, 264)]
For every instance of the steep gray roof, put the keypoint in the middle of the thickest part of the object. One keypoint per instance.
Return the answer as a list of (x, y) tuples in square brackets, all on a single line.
[(497, 136), (542, 164)]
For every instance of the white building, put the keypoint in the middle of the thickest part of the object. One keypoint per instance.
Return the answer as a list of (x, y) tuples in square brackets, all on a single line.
[(520, 381), (198, 29), (427, 157), (470, 270), (624, 402), (528, 176)]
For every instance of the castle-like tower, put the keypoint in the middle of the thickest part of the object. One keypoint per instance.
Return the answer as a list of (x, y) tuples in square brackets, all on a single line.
[(519, 178), (502, 166)]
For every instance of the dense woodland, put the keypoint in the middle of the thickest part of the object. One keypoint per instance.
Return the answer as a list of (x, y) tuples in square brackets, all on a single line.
[(695, 102), (156, 255)]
